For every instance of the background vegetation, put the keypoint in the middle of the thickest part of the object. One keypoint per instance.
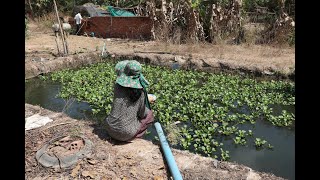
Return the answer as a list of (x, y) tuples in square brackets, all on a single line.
[(213, 21)]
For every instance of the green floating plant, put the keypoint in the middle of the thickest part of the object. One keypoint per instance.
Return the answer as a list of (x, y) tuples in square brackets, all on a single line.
[(212, 105), (259, 142)]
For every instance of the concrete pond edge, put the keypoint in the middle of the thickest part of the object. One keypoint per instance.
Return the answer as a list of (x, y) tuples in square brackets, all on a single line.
[(35, 68)]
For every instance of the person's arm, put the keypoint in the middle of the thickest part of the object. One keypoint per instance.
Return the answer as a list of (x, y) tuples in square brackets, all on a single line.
[(143, 111), (151, 98)]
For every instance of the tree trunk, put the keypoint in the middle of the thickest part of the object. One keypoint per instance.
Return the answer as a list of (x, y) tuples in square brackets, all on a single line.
[(212, 27), (164, 21), (191, 25), (164, 9), (151, 11), (195, 28)]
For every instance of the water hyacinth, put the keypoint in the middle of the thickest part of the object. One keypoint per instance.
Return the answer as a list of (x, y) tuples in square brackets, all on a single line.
[(209, 106)]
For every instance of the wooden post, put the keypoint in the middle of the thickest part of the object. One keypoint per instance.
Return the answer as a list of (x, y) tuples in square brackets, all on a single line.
[(61, 30)]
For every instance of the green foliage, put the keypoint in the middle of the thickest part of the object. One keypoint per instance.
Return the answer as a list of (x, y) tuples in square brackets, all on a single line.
[(290, 8), (251, 5), (43, 77), (195, 3), (224, 154), (40, 7), (292, 38), (43, 7), (213, 105), (285, 119), (260, 142)]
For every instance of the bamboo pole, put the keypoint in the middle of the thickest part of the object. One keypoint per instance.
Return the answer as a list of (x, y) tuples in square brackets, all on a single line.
[(66, 43), (57, 43), (61, 30)]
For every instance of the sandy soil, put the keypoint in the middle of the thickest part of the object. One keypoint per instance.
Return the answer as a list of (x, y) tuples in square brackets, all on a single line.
[(41, 43)]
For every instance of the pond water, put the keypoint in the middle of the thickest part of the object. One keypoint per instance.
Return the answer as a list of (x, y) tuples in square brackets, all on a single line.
[(279, 161)]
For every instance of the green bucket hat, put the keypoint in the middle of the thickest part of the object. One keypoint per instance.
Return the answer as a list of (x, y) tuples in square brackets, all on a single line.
[(120, 67), (131, 76)]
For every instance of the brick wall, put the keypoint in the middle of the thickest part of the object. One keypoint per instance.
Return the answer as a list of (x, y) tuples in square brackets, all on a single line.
[(118, 27)]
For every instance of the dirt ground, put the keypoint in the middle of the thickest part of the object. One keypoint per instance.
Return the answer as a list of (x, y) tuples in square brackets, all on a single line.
[(109, 159), (41, 44), (139, 159)]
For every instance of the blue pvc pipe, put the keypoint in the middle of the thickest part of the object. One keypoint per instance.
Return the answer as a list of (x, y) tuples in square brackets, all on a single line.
[(168, 154)]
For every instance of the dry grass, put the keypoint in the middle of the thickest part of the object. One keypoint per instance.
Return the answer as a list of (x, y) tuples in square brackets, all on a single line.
[(246, 54), (45, 22), (223, 50), (253, 32)]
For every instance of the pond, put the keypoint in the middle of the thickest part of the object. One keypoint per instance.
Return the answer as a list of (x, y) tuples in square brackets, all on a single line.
[(279, 160)]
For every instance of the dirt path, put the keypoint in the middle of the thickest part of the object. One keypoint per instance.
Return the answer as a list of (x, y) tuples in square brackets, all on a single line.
[(264, 59), (139, 159)]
